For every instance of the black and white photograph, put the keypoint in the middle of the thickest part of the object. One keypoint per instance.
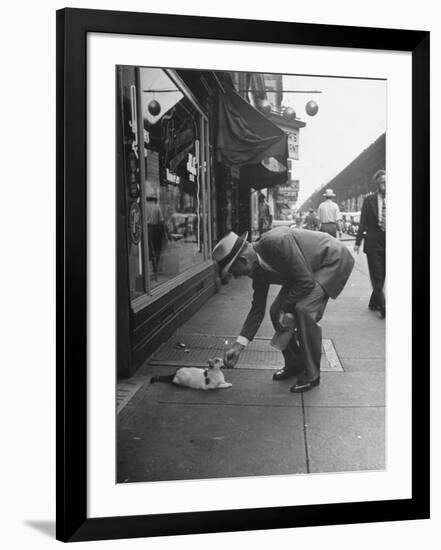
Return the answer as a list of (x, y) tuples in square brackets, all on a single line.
[(204, 340), (251, 228), (235, 348)]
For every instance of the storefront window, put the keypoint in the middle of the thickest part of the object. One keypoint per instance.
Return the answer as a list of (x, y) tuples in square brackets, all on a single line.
[(166, 193), (173, 191)]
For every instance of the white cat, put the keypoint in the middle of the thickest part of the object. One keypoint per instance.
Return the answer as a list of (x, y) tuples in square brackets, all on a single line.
[(196, 378)]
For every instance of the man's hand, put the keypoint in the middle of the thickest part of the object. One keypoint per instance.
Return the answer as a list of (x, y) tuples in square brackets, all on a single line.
[(232, 355), (356, 248), (281, 325), (279, 320)]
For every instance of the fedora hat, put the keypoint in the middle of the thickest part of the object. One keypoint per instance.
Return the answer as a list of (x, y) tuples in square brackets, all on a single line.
[(329, 193), (228, 249)]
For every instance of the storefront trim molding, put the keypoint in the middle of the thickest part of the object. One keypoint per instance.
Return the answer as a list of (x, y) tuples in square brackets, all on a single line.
[(146, 300), (181, 84)]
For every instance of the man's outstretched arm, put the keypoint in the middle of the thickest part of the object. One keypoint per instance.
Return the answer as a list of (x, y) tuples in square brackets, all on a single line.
[(251, 325)]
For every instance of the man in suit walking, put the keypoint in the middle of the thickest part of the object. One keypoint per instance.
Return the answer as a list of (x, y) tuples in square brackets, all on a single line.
[(373, 230), (310, 267)]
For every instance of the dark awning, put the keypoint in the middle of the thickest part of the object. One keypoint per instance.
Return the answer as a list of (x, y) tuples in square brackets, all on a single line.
[(258, 177), (245, 135)]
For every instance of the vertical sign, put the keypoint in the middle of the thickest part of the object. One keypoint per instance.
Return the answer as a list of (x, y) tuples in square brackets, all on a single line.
[(293, 144)]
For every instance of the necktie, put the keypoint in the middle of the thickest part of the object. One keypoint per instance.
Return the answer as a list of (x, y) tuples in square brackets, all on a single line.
[(383, 215)]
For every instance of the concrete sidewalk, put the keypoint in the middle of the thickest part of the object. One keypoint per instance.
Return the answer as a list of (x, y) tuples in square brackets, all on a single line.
[(258, 427)]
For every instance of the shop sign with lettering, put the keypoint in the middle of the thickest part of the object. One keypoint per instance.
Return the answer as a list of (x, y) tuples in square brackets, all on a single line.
[(293, 144), (191, 164), (172, 177)]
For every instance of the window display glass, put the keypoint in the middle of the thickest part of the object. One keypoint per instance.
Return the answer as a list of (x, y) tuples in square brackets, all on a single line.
[(173, 191)]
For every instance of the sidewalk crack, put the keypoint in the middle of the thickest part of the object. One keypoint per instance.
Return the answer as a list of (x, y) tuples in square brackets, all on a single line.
[(305, 434)]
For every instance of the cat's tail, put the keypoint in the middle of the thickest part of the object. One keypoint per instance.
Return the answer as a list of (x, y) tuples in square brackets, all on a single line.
[(164, 378)]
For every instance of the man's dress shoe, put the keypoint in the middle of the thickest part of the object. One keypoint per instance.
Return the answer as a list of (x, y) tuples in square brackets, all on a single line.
[(284, 374), (301, 387)]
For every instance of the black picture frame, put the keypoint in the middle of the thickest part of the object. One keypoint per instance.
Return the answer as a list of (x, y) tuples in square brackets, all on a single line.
[(73, 25)]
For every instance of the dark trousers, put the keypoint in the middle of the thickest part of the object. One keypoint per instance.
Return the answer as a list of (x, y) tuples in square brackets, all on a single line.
[(330, 228), (155, 232), (303, 357), (376, 257)]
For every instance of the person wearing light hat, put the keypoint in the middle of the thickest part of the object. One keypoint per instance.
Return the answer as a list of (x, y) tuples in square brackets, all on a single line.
[(311, 267), (329, 214)]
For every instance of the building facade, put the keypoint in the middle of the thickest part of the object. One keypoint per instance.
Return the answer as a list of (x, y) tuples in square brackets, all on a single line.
[(165, 208), (265, 93), (184, 179)]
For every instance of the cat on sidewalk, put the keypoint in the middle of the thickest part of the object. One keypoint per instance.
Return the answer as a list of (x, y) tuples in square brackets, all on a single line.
[(196, 378)]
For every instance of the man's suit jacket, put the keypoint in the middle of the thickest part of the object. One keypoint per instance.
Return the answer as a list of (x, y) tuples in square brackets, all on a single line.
[(369, 229), (299, 258)]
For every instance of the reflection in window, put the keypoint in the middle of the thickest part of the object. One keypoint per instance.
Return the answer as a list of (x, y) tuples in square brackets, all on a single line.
[(128, 171), (172, 190)]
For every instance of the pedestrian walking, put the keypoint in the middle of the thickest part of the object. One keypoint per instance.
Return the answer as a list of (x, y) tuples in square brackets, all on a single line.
[(311, 221), (156, 229), (329, 214), (265, 217), (372, 229), (311, 267)]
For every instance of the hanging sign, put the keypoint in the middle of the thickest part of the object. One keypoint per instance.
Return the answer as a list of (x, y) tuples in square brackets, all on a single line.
[(293, 144)]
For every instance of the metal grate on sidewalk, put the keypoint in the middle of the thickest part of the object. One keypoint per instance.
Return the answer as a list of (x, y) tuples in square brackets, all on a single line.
[(193, 350)]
